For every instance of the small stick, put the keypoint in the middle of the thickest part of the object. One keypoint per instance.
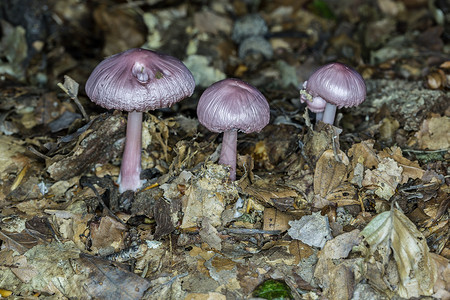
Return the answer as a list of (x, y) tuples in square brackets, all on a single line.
[(70, 87)]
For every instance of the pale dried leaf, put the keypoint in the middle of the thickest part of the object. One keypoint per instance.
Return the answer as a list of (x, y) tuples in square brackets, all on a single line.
[(207, 196), (411, 169), (434, 133), (210, 235), (313, 230), (393, 230), (385, 179)]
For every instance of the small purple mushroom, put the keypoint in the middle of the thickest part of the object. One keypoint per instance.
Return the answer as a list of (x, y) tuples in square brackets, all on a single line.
[(138, 80), (333, 85), (230, 105)]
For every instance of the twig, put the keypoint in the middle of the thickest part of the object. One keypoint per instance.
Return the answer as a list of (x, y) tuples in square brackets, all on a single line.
[(70, 87)]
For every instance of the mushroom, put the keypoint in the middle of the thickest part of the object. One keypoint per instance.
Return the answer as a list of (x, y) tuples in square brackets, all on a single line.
[(230, 105), (138, 80), (333, 85)]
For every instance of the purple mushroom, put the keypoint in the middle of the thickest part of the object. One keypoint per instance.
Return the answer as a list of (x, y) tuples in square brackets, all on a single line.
[(230, 105), (138, 80), (333, 85)]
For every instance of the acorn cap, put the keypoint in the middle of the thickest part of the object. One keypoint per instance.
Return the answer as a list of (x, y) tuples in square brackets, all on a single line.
[(337, 84), (139, 80), (232, 104)]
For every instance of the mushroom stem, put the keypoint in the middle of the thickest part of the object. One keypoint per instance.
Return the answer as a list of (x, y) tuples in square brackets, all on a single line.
[(228, 153), (130, 171), (329, 113), (319, 116)]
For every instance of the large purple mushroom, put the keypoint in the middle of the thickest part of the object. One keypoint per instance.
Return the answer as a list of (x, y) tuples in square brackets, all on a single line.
[(230, 105), (333, 85), (138, 80)]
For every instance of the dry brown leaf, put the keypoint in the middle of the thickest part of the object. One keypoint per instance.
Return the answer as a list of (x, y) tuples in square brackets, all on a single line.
[(108, 233), (385, 179), (411, 169), (366, 152), (434, 133), (276, 220), (344, 194), (300, 250), (272, 195), (388, 128), (442, 285), (330, 172)]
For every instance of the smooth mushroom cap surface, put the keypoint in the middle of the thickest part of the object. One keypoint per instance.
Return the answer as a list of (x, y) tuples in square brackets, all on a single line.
[(139, 80), (232, 104), (337, 84)]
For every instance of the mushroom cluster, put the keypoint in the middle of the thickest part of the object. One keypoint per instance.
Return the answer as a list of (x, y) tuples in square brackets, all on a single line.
[(138, 80), (332, 86)]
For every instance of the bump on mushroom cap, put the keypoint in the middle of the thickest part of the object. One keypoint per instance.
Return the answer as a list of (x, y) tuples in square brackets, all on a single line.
[(139, 80), (232, 104), (317, 104), (338, 84)]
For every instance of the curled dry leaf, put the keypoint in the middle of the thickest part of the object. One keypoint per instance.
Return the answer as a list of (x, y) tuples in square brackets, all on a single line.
[(330, 172), (434, 133), (416, 269), (364, 153), (207, 196), (385, 179), (411, 169), (330, 175)]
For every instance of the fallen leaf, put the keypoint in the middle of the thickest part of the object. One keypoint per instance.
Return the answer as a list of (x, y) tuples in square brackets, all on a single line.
[(434, 133), (365, 151), (207, 196), (392, 230), (108, 233), (313, 230), (210, 235), (385, 179), (276, 220), (411, 169), (330, 172)]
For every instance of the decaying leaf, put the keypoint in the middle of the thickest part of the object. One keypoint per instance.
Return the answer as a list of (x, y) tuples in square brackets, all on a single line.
[(264, 190), (330, 175), (411, 169), (330, 172), (207, 196), (210, 235), (313, 230), (365, 151), (392, 230), (434, 133), (276, 220), (108, 233), (384, 179)]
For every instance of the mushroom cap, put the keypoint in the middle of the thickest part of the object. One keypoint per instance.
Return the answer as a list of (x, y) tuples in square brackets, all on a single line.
[(232, 104), (337, 84), (139, 80)]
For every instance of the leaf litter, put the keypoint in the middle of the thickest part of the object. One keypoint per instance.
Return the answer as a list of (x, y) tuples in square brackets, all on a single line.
[(355, 211)]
